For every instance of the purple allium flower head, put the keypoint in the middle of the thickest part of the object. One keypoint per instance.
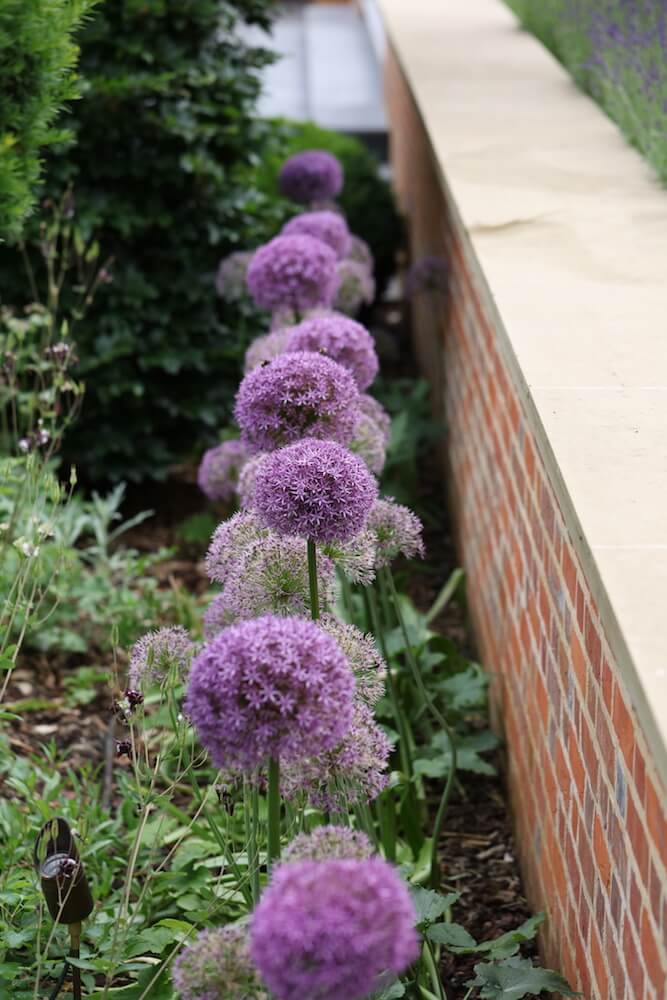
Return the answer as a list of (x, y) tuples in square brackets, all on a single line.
[(270, 686), (371, 408), (293, 272), (265, 348), (327, 843), (427, 275), (217, 966), (360, 252), (368, 667), (315, 489), (340, 338), (219, 469), (297, 395), (352, 773), (246, 485), (398, 531), (154, 655), (369, 444), (230, 281), (356, 287), (313, 175), (229, 543), (330, 227), (329, 929), (356, 557), (218, 616)]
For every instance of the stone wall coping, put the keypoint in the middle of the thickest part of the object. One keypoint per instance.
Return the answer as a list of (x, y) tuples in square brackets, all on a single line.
[(568, 226)]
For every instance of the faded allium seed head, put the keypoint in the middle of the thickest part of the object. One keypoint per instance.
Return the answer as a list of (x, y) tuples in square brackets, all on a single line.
[(340, 338), (271, 686), (368, 667), (327, 843), (313, 175), (397, 530), (265, 348), (219, 470), (370, 407), (355, 558), (360, 252), (246, 486), (229, 543), (369, 444), (230, 281), (356, 287), (329, 929), (293, 272), (330, 227), (154, 655), (217, 966), (315, 489), (297, 395)]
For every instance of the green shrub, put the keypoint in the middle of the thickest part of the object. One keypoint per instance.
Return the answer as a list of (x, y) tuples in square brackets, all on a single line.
[(37, 74), (163, 127)]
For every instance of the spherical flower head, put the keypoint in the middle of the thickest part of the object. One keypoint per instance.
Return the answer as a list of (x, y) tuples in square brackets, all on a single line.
[(326, 843), (217, 966), (428, 275), (370, 407), (293, 272), (315, 489), (360, 252), (356, 287), (230, 280), (340, 338), (265, 348), (352, 773), (369, 444), (229, 543), (355, 558), (313, 175), (219, 470), (329, 929), (297, 395), (246, 485), (269, 687), (330, 227), (218, 615), (156, 654), (368, 667), (397, 530)]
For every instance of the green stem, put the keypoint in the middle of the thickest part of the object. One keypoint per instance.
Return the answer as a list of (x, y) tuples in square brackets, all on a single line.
[(432, 968), (254, 850), (312, 580), (386, 811), (274, 810)]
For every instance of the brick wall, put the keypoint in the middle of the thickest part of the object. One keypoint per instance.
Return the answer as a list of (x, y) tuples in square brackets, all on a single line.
[(589, 807)]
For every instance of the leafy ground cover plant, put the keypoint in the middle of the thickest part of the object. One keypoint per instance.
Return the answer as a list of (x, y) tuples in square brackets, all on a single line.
[(617, 52)]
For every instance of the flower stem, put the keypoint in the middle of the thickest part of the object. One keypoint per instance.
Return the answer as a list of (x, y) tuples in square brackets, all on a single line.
[(274, 810), (312, 580), (254, 851)]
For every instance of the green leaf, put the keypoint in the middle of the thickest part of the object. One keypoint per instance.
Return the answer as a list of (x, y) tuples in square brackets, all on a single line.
[(508, 944), (392, 992), (430, 905), (452, 936), (515, 978)]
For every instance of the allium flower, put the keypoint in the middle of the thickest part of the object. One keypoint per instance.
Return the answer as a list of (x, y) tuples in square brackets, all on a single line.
[(359, 251), (398, 531), (356, 287), (355, 558), (315, 489), (371, 408), (429, 274), (246, 485), (217, 966), (369, 444), (154, 655), (327, 843), (368, 667), (340, 338), (329, 929), (229, 543), (293, 272), (230, 281), (313, 175), (271, 686), (330, 227), (218, 473), (265, 348), (354, 772), (297, 395)]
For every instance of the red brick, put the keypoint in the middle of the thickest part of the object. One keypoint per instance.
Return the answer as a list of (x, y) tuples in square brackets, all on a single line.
[(599, 964), (578, 662), (570, 574), (601, 852), (651, 953), (624, 725)]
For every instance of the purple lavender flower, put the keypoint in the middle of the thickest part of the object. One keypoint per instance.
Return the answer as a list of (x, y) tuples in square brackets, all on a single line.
[(371, 408), (398, 531), (353, 772), (360, 252), (356, 287), (327, 843), (271, 686), (297, 395), (154, 655), (315, 489), (330, 227), (340, 338), (368, 667), (230, 281), (313, 175), (265, 348), (217, 966), (369, 444), (293, 272), (219, 470), (329, 929)]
